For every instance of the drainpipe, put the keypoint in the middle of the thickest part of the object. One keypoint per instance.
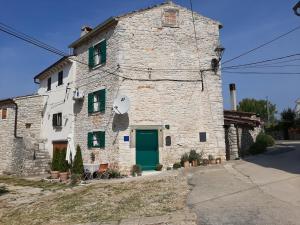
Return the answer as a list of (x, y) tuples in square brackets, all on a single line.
[(16, 119), (233, 97)]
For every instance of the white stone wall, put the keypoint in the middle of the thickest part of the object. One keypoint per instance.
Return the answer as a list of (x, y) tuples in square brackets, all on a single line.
[(139, 40)]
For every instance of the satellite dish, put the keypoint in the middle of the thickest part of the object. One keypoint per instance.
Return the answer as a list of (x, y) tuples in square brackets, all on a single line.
[(121, 104)]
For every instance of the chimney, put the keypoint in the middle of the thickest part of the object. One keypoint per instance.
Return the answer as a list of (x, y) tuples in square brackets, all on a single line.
[(85, 30), (233, 96)]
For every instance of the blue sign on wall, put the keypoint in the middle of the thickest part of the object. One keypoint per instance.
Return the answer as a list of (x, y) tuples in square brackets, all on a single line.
[(126, 138)]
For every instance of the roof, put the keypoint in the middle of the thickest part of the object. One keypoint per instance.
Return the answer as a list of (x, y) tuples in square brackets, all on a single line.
[(6, 101), (114, 20), (241, 118), (61, 60), (11, 100)]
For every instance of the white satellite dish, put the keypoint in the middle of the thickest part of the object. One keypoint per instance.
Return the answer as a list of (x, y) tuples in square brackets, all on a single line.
[(121, 104)]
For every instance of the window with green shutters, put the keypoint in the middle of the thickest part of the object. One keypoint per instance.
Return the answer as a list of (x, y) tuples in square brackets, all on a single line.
[(97, 54), (96, 139), (96, 101)]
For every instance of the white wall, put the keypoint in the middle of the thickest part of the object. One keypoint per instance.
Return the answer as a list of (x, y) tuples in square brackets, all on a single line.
[(58, 99)]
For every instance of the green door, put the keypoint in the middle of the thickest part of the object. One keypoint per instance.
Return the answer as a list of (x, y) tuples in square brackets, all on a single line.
[(147, 149)]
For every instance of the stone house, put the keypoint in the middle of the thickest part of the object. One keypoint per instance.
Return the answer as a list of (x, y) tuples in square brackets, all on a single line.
[(151, 57)]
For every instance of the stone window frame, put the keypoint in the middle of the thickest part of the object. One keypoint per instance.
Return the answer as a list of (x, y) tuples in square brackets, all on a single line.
[(163, 19), (2, 114)]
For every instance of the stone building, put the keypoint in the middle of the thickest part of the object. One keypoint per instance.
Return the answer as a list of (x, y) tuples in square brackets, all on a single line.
[(151, 57), (20, 148)]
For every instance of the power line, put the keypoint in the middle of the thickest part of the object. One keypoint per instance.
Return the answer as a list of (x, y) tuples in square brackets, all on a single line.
[(262, 45), (260, 73)]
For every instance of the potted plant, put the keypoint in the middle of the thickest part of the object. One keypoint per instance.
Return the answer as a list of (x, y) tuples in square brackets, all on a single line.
[(193, 157), (176, 165), (55, 165), (185, 160), (205, 162), (218, 160), (158, 167), (92, 155), (211, 159), (77, 167), (64, 166), (136, 170)]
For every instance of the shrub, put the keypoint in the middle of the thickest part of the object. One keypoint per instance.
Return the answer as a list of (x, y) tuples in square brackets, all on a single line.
[(176, 165), (75, 179), (55, 160), (257, 148), (77, 167), (158, 167), (63, 163), (266, 139), (113, 173), (184, 158), (193, 155), (136, 170)]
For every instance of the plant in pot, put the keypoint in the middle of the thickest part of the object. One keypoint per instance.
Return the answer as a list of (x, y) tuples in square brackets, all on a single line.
[(185, 160), (176, 165), (158, 167), (136, 170), (64, 166), (77, 167), (92, 155), (55, 165), (211, 159), (193, 157)]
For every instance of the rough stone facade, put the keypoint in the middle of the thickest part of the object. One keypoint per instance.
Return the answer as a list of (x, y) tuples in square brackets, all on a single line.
[(22, 154), (138, 41)]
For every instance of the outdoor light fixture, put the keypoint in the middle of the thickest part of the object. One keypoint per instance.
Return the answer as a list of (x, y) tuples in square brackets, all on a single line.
[(297, 9), (215, 63)]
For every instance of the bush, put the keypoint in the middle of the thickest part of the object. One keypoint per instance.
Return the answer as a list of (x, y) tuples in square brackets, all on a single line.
[(193, 156), (136, 170), (176, 165), (75, 179), (158, 167), (257, 148), (184, 158), (77, 167), (113, 173), (55, 160), (63, 163), (266, 139)]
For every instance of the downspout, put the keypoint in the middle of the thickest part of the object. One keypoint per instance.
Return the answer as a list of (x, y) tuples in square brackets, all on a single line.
[(16, 119)]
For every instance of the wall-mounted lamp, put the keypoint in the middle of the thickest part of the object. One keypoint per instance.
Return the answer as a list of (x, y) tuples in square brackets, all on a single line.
[(215, 63), (297, 9)]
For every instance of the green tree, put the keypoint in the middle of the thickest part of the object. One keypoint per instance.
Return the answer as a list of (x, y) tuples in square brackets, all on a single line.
[(55, 160), (259, 107), (78, 163), (288, 120)]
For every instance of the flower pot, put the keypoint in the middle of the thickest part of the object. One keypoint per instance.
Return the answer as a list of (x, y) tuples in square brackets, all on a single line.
[(54, 174), (194, 163), (218, 161), (186, 164), (64, 176), (212, 161)]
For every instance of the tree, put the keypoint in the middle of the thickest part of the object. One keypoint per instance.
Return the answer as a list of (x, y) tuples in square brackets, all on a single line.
[(259, 107), (288, 120), (78, 163)]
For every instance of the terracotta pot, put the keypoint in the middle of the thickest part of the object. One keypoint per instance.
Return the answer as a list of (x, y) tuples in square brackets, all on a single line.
[(218, 161), (194, 163), (54, 174), (212, 161), (64, 176), (186, 164)]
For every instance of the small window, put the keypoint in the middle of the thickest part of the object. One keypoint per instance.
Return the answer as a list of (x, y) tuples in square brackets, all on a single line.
[(4, 114), (57, 120), (168, 141), (49, 84), (97, 54), (96, 101), (202, 136), (170, 18), (60, 78), (96, 139)]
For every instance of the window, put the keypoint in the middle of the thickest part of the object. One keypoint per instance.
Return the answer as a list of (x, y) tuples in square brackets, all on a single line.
[(96, 101), (168, 141), (49, 84), (97, 54), (96, 139), (170, 18), (4, 114), (57, 120), (202, 136), (60, 78)]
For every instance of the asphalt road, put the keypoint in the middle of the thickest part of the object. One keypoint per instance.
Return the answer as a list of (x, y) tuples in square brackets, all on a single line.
[(260, 190)]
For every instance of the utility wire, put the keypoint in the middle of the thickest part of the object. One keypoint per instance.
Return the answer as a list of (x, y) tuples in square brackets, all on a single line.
[(262, 45), (260, 73)]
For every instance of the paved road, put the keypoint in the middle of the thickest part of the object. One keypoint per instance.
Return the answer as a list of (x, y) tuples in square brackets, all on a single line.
[(260, 190)]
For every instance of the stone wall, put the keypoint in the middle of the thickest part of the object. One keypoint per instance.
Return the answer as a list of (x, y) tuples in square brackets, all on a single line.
[(139, 41)]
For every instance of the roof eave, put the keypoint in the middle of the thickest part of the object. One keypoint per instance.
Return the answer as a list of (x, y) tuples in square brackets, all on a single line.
[(107, 23)]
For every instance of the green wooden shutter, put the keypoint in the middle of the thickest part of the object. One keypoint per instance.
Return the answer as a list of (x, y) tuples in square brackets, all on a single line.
[(91, 57), (103, 51), (90, 140), (102, 100), (102, 139), (91, 103)]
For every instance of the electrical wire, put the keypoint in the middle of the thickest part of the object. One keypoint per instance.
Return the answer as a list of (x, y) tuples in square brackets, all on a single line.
[(262, 45)]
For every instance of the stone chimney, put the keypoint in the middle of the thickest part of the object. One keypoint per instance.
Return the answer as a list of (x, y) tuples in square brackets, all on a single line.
[(85, 30), (233, 97)]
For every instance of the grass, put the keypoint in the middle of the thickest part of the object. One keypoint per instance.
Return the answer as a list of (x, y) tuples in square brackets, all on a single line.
[(104, 202), (15, 181)]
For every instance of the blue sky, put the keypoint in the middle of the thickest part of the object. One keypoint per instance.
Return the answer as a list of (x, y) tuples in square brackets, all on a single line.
[(247, 23)]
